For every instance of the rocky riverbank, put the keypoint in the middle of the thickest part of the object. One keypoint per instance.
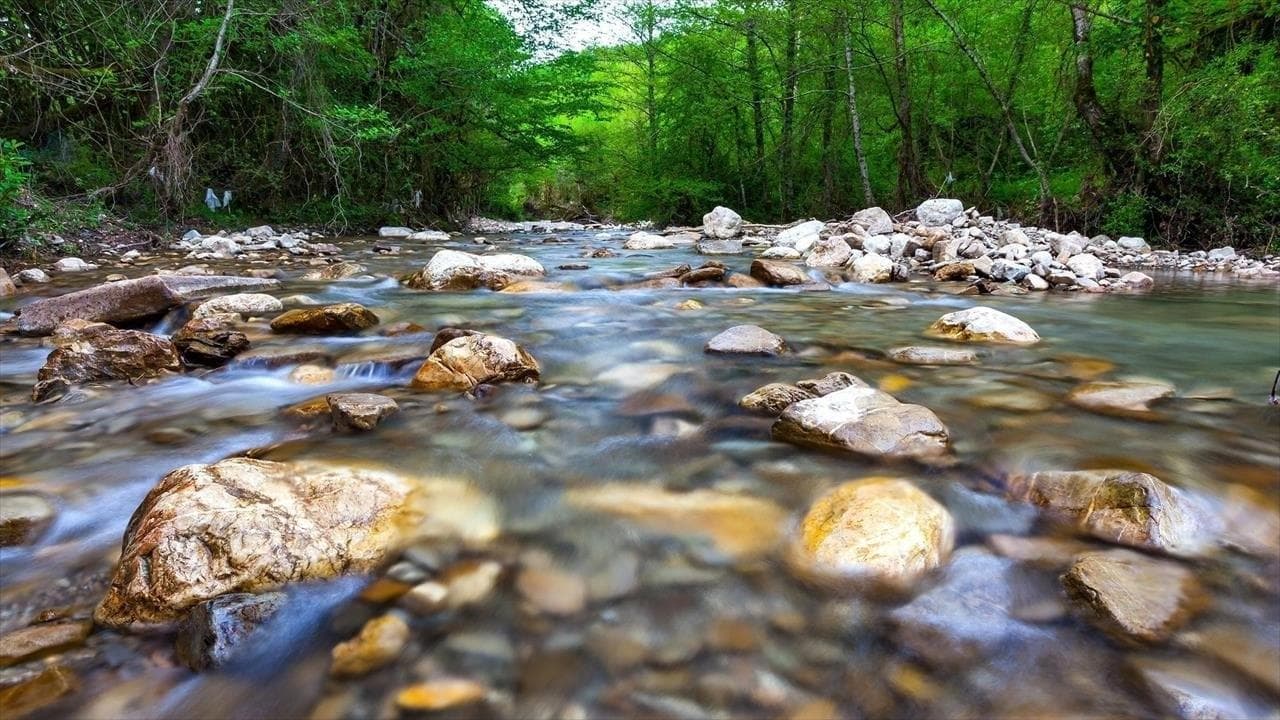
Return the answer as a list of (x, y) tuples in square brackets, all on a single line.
[(558, 470)]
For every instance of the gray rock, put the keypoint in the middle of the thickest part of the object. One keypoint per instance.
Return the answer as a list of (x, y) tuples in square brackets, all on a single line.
[(32, 275), (73, 264), (779, 252), (802, 236), (874, 220), (917, 355), (832, 252), (879, 245), (865, 421), (772, 272), (261, 231), (1222, 253), (721, 223), (872, 268), (1087, 265), (1196, 690), (746, 340), (725, 246), (647, 241), (1014, 236), (394, 232), (939, 211), (244, 304), (359, 411), (1131, 245), (214, 630), (23, 517), (1034, 282)]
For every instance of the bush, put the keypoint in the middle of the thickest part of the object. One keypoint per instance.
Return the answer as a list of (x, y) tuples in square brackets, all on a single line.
[(15, 200)]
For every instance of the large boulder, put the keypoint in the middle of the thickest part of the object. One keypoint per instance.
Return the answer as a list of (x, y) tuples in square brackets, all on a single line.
[(1086, 265), (127, 300), (746, 340), (244, 304), (865, 421), (777, 273), (721, 223), (872, 268), (984, 324), (1119, 506), (647, 241), (327, 320), (1132, 597), (467, 361), (874, 220), (939, 211), (86, 351), (243, 525), (881, 533), (456, 270), (832, 252)]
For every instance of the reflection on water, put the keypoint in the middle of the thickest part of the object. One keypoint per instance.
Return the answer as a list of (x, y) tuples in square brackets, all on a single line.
[(673, 625)]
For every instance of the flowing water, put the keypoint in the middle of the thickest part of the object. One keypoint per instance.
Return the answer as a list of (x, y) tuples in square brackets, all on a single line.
[(628, 395)]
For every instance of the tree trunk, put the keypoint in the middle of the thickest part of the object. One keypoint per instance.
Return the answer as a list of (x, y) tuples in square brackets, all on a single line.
[(757, 103), (828, 151), (855, 119), (786, 143), (1108, 132), (911, 184)]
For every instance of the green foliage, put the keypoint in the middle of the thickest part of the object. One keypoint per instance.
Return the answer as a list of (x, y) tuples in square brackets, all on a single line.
[(14, 178)]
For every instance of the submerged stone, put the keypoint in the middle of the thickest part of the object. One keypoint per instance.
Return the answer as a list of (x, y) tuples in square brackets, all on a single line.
[(214, 630), (1132, 597), (746, 340)]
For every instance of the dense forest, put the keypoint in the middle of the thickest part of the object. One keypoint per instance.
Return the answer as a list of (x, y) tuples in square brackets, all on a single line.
[(1154, 117)]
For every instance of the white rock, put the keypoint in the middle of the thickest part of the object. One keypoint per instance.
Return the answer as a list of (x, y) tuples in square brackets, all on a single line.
[(428, 236), (879, 244), (1133, 245), (1034, 282), (805, 232), (191, 236), (874, 220), (721, 223), (832, 252), (1222, 253), (260, 231), (939, 211), (872, 268), (984, 324), (647, 241), (394, 232), (780, 252), (32, 275), (1087, 265), (73, 264), (246, 304), (1014, 236)]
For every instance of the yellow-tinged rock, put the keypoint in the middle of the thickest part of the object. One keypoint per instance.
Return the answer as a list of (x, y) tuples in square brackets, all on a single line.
[(895, 383), (440, 694), (378, 644)]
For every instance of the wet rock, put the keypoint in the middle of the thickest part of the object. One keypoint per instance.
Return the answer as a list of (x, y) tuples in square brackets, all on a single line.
[(87, 351), (872, 268), (1133, 597), (1128, 508), (247, 525), (469, 582), (738, 525), (958, 270), (781, 252), (738, 280), (702, 275), (1197, 691), (210, 341), (73, 264), (429, 236), (24, 516), (874, 220), (832, 252), (867, 422), (7, 288), (524, 419), (938, 211), (336, 271), (470, 360), (377, 645), (721, 223), (1135, 281), (1247, 647), (33, 276), (773, 398), (967, 616), (244, 304), (214, 630), (879, 533), (647, 241), (127, 300), (425, 598), (1125, 398), (37, 641), (26, 697), (725, 246), (831, 382), (310, 374), (360, 411), (746, 340), (984, 324), (771, 272), (552, 590), (440, 694), (327, 320), (394, 232), (918, 355), (1047, 552), (454, 270)]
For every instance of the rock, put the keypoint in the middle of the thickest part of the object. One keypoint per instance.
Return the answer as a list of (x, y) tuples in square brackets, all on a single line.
[(1222, 253), (37, 641), (377, 645), (1061, 277), (394, 232), (874, 220), (775, 273), (24, 698), (879, 533), (33, 275), (1035, 282), (967, 617), (244, 304), (73, 264), (703, 274), (725, 246), (1130, 398), (938, 211), (210, 341), (740, 281), (455, 270), (438, 694), (1135, 245), (1088, 266), (872, 268), (647, 241), (244, 525), (832, 252), (1132, 597), (1134, 281), (552, 590), (1014, 236), (877, 245), (212, 632), (465, 362), (312, 375), (359, 411), (867, 422), (983, 324), (746, 340), (738, 525), (87, 351), (261, 231), (1196, 690), (917, 355), (780, 252), (1243, 645), (336, 271), (773, 398), (326, 320), (469, 582), (958, 270), (7, 288), (802, 236), (127, 300), (721, 223), (1128, 508), (23, 517)]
